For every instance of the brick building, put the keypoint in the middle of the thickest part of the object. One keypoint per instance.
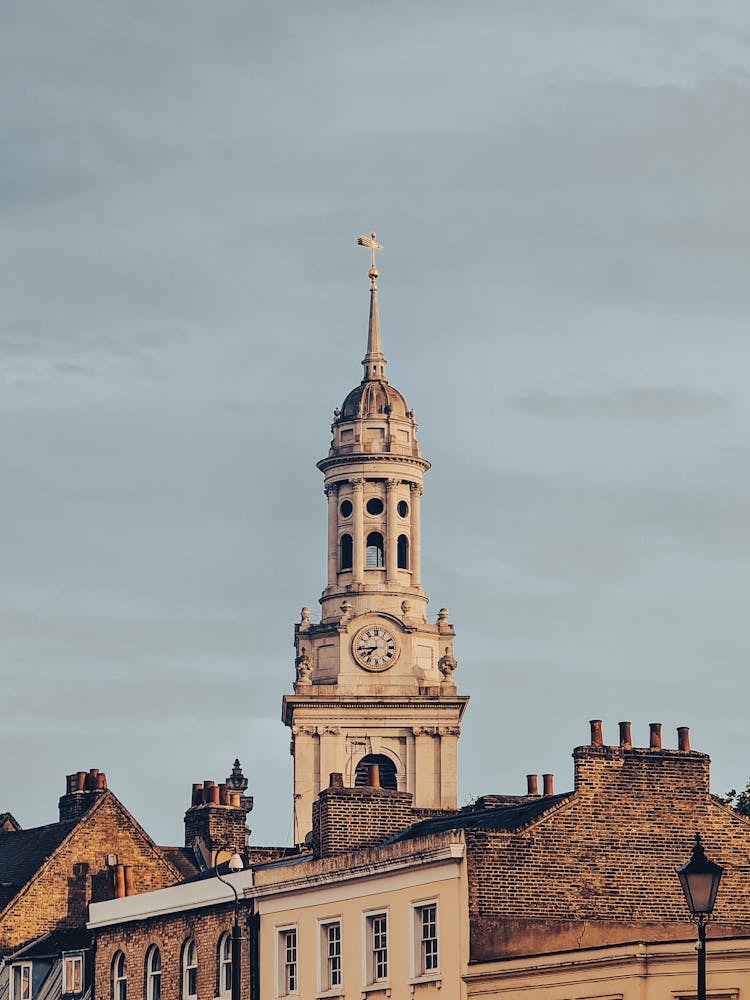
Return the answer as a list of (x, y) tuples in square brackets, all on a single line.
[(96, 851)]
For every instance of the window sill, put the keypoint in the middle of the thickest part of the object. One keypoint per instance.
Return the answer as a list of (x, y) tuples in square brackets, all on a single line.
[(337, 993), (430, 979), (384, 988)]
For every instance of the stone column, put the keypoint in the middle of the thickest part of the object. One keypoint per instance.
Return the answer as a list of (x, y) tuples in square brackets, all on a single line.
[(425, 790), (448, 766), (330, 758), (332, 492), (416, 493), (391, 531), (358, 527), (306, 778)]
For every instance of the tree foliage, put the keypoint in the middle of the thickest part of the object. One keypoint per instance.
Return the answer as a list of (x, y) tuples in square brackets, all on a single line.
[(739, 801)]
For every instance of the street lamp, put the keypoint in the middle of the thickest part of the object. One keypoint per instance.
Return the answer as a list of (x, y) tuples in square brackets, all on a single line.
[(700, 879), (234, 865)]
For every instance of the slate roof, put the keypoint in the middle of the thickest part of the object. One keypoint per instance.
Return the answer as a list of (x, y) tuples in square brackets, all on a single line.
[(23, 852), (509, 817), (183, 858), (53, 944)]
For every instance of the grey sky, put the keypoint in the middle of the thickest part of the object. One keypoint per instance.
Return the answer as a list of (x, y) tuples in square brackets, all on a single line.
[(562, 193)]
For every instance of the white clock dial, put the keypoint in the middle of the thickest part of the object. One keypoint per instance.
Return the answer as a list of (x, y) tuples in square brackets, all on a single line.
[(375, 648)]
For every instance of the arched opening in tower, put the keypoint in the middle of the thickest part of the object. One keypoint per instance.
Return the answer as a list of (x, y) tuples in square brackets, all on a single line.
[(386, 770), (374, 553)]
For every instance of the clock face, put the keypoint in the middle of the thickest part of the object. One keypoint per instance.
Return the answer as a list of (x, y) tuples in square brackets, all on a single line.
[(375, 648)]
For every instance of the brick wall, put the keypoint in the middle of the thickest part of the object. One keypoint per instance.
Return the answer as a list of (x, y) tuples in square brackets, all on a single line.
[(214, 826), (347, 818), (607, 856), (59, 894), (169, 933)]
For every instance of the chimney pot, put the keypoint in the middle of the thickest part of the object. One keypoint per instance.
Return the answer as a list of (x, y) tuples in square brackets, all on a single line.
[(373, 776), (81, 781), (236, 800), (596, 733), (532, 787), (548, 782), (214, 795), (655, 738), (625, 740), (101, 782), (683, 738), (197, 796), (336, 780), (119, 871), (128, 873)]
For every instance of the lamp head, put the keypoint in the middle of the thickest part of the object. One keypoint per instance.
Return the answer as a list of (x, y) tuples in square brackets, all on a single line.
[(235, 863), (700, 879)]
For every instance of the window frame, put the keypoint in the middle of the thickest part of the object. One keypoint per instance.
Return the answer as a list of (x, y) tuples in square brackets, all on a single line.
[(224, 965), (282, 963), (119, 976), (326, 984), (28, 968), (419, 970), (370, 980), (151, 973), (73, 958), (186, 969), (402, 552), (346, 552)]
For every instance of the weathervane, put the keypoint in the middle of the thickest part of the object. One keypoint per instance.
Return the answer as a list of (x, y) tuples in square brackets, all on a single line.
[(373, 245)]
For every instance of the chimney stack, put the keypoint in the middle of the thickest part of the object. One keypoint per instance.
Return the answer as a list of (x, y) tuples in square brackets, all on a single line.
[(217, 816), (81, 791)]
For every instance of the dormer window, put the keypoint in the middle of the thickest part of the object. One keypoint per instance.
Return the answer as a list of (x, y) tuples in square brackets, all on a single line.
[(20, 981), (72, 974)]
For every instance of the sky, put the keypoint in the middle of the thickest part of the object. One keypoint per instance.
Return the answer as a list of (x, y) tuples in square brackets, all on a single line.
[(562, 195)]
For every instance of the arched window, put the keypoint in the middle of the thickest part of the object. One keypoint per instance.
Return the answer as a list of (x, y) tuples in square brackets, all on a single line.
[(374, 553), (345, 552), (224, 965), (153, 973), (189, 970), (402, 552), (119, 977), (386, 769)]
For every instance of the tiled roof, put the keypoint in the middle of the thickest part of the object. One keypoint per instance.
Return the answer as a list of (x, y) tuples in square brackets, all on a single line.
[(23, 852), (55, 943), (512, 816)]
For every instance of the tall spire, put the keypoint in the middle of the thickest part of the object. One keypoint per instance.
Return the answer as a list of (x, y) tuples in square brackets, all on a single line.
[(373, 362)]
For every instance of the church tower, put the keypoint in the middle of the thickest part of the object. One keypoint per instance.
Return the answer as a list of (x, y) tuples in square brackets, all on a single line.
[(374, 678)]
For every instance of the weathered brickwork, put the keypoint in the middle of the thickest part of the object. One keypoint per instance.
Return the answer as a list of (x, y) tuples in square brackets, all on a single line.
[(347, 818), (214, 826), (607, 855), (170, 934), (75, 874)]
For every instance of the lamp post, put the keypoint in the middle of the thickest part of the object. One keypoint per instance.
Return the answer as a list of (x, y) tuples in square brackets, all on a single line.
[(700, 879), (234, 865)]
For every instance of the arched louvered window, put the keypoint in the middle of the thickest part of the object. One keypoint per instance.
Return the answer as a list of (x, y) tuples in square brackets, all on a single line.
[(386, 770), (374, 552), (189, 970), (402, 552), (153, 973), (345, 552), (224, 965), (119, 977)]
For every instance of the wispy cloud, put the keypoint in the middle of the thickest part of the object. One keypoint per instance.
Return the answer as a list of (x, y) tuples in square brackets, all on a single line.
[(658, 404)]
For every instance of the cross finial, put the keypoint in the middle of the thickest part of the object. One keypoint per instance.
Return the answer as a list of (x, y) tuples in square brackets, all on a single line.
[(372, 243)]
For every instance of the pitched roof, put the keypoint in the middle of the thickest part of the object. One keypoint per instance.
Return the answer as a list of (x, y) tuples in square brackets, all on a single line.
[(509, 816), (22, 853), (183, 859)]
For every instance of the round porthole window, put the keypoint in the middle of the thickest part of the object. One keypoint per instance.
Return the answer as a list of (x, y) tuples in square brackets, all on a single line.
[(346, 508), (374, 505), (402, 508)]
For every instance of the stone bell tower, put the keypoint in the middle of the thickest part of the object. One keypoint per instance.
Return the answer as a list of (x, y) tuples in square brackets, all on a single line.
[(374, 679)]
